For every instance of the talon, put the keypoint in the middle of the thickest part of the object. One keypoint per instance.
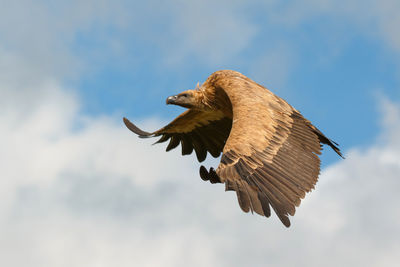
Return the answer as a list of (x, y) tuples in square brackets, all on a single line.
[(211, 175), (214, 178), (204, 173)]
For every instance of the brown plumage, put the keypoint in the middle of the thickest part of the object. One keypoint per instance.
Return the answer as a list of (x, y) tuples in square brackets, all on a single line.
[(269, 150)]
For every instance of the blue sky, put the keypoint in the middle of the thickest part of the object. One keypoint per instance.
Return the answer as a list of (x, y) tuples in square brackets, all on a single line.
[(79, 189)]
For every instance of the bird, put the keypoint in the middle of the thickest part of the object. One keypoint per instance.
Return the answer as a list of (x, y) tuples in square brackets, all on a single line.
[(270, 152)]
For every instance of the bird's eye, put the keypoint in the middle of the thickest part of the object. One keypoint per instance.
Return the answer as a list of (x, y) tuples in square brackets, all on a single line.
[(184, 95)]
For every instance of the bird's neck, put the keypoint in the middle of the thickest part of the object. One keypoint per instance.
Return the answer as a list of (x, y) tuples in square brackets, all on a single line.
[(213, 99)]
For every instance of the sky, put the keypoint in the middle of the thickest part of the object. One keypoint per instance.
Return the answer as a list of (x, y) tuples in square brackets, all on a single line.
[(78, 189)]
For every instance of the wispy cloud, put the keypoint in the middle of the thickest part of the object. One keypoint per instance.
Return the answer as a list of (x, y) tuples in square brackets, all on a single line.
[(376, 19)]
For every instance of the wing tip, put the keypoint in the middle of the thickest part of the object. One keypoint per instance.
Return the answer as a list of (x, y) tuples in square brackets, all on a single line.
[(335, 147), (285, 221), (135, 129)]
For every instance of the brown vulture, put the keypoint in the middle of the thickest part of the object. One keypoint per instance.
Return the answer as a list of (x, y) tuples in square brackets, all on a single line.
[(269, 150)]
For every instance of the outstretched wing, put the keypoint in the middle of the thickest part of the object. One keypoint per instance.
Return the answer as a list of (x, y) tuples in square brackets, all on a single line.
[(271, 155), (194, 130)]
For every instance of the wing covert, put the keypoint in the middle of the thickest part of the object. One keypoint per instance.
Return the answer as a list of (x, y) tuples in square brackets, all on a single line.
[(271, 156)]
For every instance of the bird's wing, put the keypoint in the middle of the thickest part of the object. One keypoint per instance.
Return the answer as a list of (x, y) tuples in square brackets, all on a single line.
[(194, 130), (271, 155)]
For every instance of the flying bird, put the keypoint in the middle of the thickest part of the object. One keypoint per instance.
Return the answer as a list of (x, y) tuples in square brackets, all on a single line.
[(269, 150)]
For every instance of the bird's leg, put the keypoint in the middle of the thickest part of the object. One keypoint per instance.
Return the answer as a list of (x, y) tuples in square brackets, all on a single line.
[(211, 175)]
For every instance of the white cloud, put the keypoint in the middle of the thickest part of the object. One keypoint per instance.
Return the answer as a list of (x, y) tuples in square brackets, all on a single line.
[(40, 35), (54, 189), (45, 36)]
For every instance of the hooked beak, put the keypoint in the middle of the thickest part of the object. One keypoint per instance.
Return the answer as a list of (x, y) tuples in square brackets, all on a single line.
[(171, 99)]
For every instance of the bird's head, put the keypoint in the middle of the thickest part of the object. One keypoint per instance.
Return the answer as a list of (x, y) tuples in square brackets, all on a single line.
[(186, 99)]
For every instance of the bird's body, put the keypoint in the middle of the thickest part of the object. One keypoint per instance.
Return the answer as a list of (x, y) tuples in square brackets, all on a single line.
[(269, 150)]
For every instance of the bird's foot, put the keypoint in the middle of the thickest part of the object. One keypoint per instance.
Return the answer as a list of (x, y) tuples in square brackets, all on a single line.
[(211, 175)]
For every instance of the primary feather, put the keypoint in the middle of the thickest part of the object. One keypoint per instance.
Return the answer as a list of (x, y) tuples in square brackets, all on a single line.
[(269, 150)]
